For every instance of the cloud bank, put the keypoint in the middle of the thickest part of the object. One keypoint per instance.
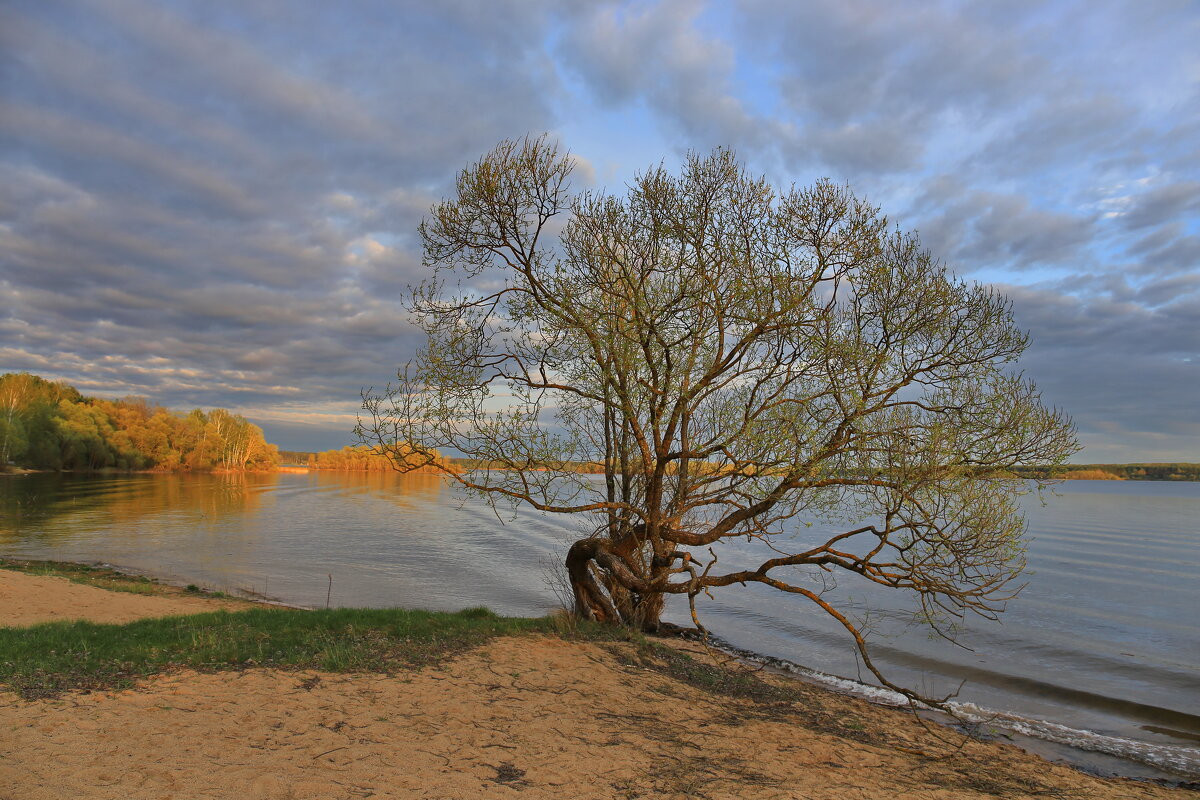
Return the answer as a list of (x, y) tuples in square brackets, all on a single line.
[(215, 204)]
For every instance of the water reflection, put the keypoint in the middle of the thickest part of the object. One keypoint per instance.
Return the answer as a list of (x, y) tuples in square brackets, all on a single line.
[(1082, 631), (49, 506), (407, 492), (53, 505), (280, 534)]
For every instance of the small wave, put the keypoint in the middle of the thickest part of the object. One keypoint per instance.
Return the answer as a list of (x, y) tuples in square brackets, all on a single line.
[(1180, 760)]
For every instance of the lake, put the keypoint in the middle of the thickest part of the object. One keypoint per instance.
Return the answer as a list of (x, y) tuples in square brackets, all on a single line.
[(1101, 651)]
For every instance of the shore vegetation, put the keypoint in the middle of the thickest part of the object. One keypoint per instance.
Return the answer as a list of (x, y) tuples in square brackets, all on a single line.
[(99, 576), (363, 459), (50, 425), (1127, 472), (47, 659)]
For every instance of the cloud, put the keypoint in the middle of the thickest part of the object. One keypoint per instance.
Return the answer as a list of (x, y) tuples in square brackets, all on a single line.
[(1162, 204), (654, 54), (216, 204), (972, 228), (183, 185), (583, 172), (1108, 358), (1166, 250)]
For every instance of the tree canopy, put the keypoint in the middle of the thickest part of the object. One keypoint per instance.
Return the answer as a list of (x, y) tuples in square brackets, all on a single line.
[(738, 359), (50, 425), (366, 459)]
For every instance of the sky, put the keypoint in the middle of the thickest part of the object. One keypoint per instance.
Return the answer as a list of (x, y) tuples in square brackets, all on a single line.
[(214, 204)]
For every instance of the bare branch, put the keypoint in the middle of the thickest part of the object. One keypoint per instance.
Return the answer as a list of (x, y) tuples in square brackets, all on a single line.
[(728, 356)]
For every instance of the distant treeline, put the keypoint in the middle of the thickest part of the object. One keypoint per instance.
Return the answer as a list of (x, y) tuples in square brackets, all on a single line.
[(1092, 472), (50, 425), (351, 459), (584, 467), (362, 459), (1123, 472), (581, 467)]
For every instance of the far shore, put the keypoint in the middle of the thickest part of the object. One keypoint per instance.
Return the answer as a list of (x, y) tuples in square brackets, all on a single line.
[(535, 715), (1165, 473)]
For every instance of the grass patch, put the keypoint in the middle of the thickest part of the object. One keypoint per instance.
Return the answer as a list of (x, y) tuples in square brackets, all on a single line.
[(48, 659), (101, 577), (106, 578)]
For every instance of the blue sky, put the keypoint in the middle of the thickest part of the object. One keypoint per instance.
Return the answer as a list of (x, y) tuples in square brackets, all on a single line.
[(214, 204)]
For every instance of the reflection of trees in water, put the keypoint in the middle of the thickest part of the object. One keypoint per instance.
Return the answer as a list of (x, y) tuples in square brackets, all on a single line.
[(217, 495), (55, 504), (406, 491)]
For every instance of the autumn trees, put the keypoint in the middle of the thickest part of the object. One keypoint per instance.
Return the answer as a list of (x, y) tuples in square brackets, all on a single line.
[(365, 459), (739, 359), (50, 425)]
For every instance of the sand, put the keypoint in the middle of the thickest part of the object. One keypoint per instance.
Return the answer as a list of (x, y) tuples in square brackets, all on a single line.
[(526, 717), (30, 599)]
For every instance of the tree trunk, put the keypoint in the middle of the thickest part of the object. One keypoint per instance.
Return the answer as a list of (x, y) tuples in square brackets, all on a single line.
[(606, 589)]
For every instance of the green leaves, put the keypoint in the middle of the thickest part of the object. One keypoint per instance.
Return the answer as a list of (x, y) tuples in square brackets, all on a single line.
[(731, 354)]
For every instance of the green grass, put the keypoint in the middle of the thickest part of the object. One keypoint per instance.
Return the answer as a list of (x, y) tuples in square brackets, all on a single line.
[(105, 578), (45, 660), (102, 577)]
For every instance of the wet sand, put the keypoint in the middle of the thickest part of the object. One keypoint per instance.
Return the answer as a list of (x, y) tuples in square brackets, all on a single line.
[(525, 717)]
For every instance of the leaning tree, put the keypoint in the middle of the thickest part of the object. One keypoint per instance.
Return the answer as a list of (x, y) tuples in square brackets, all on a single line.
[(727, 356)]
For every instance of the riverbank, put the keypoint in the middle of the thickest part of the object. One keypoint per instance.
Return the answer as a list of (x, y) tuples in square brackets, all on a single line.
[(1102, 472), (538, 715), (35, 592)]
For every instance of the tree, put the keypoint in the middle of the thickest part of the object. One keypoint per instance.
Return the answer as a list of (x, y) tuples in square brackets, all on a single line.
[(16, 392), (733, 356), (30, 407), (232, 443), (84, 432)]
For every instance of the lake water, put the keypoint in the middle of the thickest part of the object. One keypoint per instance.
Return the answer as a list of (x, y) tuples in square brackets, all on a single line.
[(1101, 651)]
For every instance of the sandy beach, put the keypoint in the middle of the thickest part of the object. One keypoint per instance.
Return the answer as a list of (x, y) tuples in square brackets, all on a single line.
[(30, 599), (524, 716)]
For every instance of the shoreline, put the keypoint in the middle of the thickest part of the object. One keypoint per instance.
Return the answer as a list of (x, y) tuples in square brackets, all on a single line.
[(827, 701), (1004, 726), (14, 471), (34, 592), (158, 584)]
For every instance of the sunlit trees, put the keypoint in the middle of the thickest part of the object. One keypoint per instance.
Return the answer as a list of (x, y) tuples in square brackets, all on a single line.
[(365, 459), (231, 442), (12, 438), (30, 407), (16, 390), (84, 435), (49, 425), (736, 357)]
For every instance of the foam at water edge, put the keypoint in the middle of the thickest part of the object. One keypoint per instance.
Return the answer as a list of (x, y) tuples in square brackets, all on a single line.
[(1178, 759)]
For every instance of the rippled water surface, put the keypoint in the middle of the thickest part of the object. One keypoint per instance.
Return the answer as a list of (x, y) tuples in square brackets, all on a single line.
[(1101, 650)]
